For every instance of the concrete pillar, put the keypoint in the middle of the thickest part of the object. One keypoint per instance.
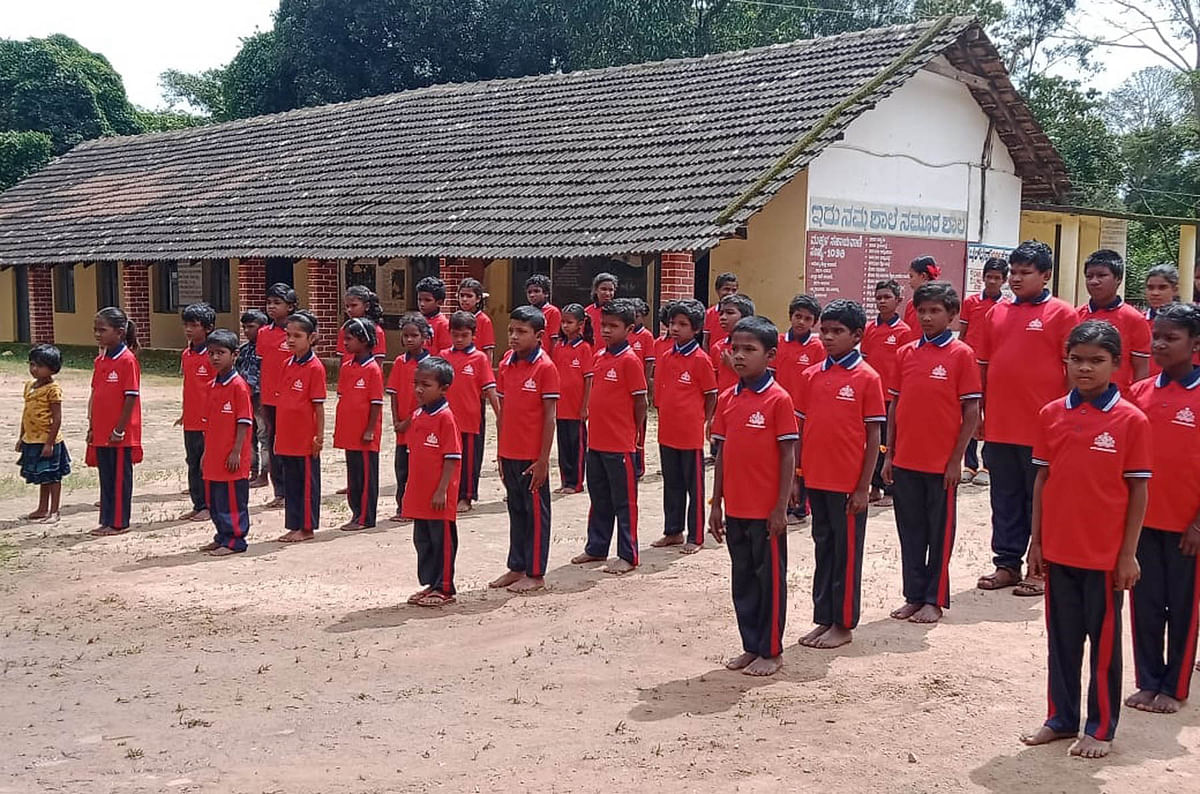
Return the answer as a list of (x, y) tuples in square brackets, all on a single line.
[(325, 302), (41, 303), (1187, 263), (1070, 281), (135, 298)]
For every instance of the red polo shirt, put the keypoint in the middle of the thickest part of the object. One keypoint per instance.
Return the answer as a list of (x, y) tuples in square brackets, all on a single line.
[(642, 342), (400, 383), (360, 385), (472, 376), (228, 406), (198, 376), (379, 351), (880, 343), (727, 377), (751, 421), (934, 377), (440, 325), (911, 321), (301, 387), (485, 334), (113, 377), (1173, 409), (272, 347), (574, 363), (434, 438), (1090, 449), (712, 326), (1023, 344), (794, 355), (1135, 336), (527, 385), (836, 401), (592, 310), (553, 317), (617, 377), (683, 378), (974, 308)]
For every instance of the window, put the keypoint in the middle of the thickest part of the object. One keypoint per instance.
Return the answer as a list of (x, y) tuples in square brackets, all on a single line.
[(216, 284), (106, 285), (281, 270), (64, 289), (166, 287)]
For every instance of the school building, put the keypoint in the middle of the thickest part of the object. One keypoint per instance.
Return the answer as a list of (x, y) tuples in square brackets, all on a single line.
[(819, 165)]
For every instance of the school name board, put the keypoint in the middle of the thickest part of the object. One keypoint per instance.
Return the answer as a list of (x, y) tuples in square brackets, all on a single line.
[(841, 215)]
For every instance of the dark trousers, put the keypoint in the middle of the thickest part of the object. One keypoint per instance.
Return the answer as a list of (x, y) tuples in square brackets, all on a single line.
[(437, 547), (639, 455), (800, 510), (1081, 604), (260, 452), (572, 452), (528, 519), (193, 449), (115, 465), (1011, 494), (971, 456), (400, 466), (229, 505), (302, 491), (838, 536), (683, 492), (877, 482), (759, 578), (926, 518), (471, 467), (276, 463), (362, 485), (1163, 614), (612, 486)]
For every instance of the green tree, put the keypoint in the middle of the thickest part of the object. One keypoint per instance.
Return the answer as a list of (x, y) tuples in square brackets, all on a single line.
[(202, 91), (22, 153)]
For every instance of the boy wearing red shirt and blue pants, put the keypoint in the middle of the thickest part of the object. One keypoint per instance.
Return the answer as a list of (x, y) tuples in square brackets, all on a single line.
[(228, 425), (431, 294), (881, 345), (474, 382), (358, 423), (1104, 271), (198, 321)]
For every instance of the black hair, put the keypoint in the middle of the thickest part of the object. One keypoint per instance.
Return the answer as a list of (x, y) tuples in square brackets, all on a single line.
[(434, 286), (284, 292), (47, 356), (640, 307), (115, 318), (1167, 272), (621, 308), (690, 308), (761, 329), (923, 264), (475, 286), (847, 312), (1185, 315), (580, 314), (1099, 333), (1031, 252), (804, 303), (600, 279), (741, 302), (460, 320), (199, 313), (224, 339), (890, 285), (439, 367), (997, 265), (726, 278), (360, 329), (664, 311), (942, 292), (255, 316), (541, 281), (1106, 257), (417, 319), (304, 318), (530, 315), (374, 311)]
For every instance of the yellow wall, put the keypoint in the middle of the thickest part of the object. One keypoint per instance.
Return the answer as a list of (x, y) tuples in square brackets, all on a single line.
[(8, 305), (166, 328), (1078, 236), (76, 328)]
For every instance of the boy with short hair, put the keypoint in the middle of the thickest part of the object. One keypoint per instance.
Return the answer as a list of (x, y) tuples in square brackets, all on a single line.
[(616, 415), (799, 349), (881, 343), (642, 342), (974, 310), (932, 415), (414, 339), (841, 411), (473, 383), (199, 319), (537, 292), (733, 309), (431, 294), (228, 430), (725, 285), (1104, 271), (249, 366), (686, 385), (756, 426), (529, 390)]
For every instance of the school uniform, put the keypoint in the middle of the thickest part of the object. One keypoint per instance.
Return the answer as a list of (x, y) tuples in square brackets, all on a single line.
[(712, 328), (434, 439), (933, 379), (115, 376), (273, 352), (592, 310), (400, 387), (440, 325), (249, 366), (794, 355), (1090, 448), (198, 377), (301, 392), (617, 380), (553, 317), (1135, 336), (727, 376), (360, 387), (1023, 344), (528, 386), (837, 399), (485, 334), (642, 342), (881, 345), (573, 360), (378, 352), (1166, 600), (974, 309), (912, 322), (472, 377), (227, 493), (683, 382), (752, 421)]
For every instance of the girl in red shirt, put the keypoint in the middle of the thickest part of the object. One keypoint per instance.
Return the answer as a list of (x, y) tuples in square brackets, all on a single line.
[(573, 358), (359, 420), (472, 298), (363, 304), (300, 409), (922, 271), (1161, 290), (115, 417), (271, 345)]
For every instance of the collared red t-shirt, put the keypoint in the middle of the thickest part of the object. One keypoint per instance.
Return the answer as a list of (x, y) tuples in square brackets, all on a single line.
[(553, 317), (1091, 448), (836, 401), (228, 405), (198, 376), (433, 439), (683, 379), (301, 392), (1135, 336), (113, 377), (974, 308), (794, 355), (378, 352), (751, 422), (273, 351), (727, 376), (617, 378), (712, 326), (472, 376), (485, 334), (881, 343), (526, 384), (574, 363), (642, 342), (440, 324), (360, 385), (592, 310), (934, 377), (400, 383), (1173, 410)]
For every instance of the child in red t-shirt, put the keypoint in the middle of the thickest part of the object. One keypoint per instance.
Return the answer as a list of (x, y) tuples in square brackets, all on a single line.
[(733, 309), (474, 382), (641, 339), (1160, 290), (799, 349), (573, 358), (755, 424), (473, 300), (414, 336), (604, 289), (300, 409), (1094, 459), (361, 303), (881, 343), (724, 285), (431, 294), (434, 452), (271, 345), (228, 429), (1105, 270), (974, 309), (922, 270), (115, 417), (358, 421), (199, 319), (537, 292)]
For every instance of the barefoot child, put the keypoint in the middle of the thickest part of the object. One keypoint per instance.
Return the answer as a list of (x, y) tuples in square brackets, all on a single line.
[(726, 284), (756, 427), (273, 351), (300, 414), (617, 411), (358, 421), (199, 319), (537, 292), (799, 349), (1160, 291), (431, 294), (363, 304), (414, 336), (841, 411), (474, 382), (687, 387), (604, 289), (528, 390), (642, 342), (44, 457), (974, 310), (249, 366), (1105, 270), (573, 359), (228, 430), (922, 271), (933, 413), (1094, 459), (881, 343), (115, 417), (433, 483), (1165, 600), (472, 300)]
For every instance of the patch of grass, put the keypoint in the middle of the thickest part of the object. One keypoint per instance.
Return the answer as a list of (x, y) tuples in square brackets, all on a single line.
[(15, 356)]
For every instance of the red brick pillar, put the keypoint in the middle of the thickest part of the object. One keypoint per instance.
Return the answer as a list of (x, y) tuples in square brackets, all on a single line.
[(135, 298), (676, 277), (41, 303), (453, 270), (252, 284), (325, 303)]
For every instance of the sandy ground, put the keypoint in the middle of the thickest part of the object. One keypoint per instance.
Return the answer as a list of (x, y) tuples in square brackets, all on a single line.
[(132, 664)]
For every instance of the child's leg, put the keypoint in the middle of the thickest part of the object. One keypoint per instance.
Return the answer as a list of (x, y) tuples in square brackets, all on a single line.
[(566, 455), (770, 574), (1148, 611), (123, 488), (581, 433), (1102, 616), (913, 526), (55, 493), (400, 466), (1011, 498), (277, 468), (624, 491), (43, 508), (639, 454), (801, 508), (428, 561), (520, 523), (293, 482), (603, 510), (443, 549), (747, 595), (355, 484), (477, 465), (943, 525), (971, 457), (1065, 633), (312, 476), (239, 501), (193, 445), (694, 483), (262, 430), (877, 483), (370, 497), (106, 467), (674, 498), (1183, 593), (218, 501), (824, 606), (848, 576)]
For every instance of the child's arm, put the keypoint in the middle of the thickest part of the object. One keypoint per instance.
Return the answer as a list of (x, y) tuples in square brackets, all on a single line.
[(540, 469), (494, 401), (1128, 571), (888, 457), (235, 455), (777, 521), (710, 408), (587, 398), (858, 499), (1034, 557), (983, 368), (970, 419), (319, 426), (118, 433), (1141, 367), (374, 414), (1189, 544), (639, 417), (89, 419), (449, 466), (716, 518), (55, 426)]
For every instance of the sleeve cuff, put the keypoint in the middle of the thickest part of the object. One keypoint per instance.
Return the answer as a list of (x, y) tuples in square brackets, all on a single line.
[(788, 437), (894, 392), (589, 374), (453, 456), (712, 391), (1040, 462), (1137, 474), (981, 361), (799, 414), (875, 419), (1139, 354), (318, 400), (242, 421), (718, 437), (975, 395), (389, 390), (639, 391), (550, 395), (487, 386), (133, 392), (376, 402)]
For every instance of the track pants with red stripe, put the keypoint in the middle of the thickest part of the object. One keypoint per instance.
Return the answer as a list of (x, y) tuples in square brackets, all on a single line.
[(683, 492), (115, 466), (471, 468), (639, 454), (229, 506), (362, 485), (528, 519), (572, 452), (193, 453), (838, 536), (759, 579), (400, 467), (436, 541), (1082, 605), (1163, 613), (926, 516), (301, 491), (612, 486)]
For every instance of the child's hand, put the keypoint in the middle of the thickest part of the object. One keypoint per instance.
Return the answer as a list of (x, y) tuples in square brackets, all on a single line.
[(886, 472), (859, 500), (179, 421), (538, 472), (17, 448), (708, 432), (88, 438), (1037, 566), (113, 438), (777, 522), (1127, 573), (396, 427), (950, 477), (368, 436), (1189, 544), (583, 414), (48, 449), (979, 427), (716, 524), (318, 445), (233, 461), (439, 501)]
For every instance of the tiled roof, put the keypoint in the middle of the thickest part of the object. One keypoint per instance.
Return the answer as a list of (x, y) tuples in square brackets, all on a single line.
[(643, 158)]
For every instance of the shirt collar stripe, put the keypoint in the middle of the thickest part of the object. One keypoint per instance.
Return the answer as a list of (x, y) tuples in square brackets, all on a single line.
[(1188, 381), (941, 340), (848, 361), (758, 387), (1040, 299), (1104, 401)]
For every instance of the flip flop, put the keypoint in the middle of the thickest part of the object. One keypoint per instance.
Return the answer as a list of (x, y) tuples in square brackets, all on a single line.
[(1030, 587), (108, 532), (416, 597), (1002, 578), (435, 598)]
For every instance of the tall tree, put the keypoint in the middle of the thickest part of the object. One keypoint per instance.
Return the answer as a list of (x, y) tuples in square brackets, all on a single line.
[(22, 153)]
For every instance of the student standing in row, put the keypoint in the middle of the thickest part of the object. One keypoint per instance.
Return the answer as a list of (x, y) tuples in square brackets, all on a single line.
[(115, 417), (414, 337), (922, 271), (604, 289), (1105, 270), (725, 285), (881, 344), (300, 409), (358, 421), (473, 300), (734, 308), (228, 436), (573, 358), (1161, 290), (799, 349), (474, 382), (361, 303), (974, 310), (199, 320), (431, 294), (273, 351), (537, 292), (249, 366)]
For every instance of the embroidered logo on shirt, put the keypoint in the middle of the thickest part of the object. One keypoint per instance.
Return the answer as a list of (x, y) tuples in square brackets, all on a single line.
[(938, 373), (685, 377), (891, 340), (1034, 325), (431, 440), (1185, 417), (468, 370), (360, 384), (611, 375), (297, 385), (575, 363), (637, 345), (803, 359), (201, 370), (756, 420), (1104, 443), (227, 408), (530, 385), (846, 392), (113, 377), (284, 346)]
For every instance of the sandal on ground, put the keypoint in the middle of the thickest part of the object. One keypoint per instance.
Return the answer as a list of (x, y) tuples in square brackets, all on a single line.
[(435, 598), (982, 479), (1030, 587), (417, 596), (107, 532), (1002, 578), (966, 477)]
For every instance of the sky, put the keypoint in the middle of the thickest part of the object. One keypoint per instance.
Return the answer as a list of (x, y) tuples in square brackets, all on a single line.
[(143, 38)]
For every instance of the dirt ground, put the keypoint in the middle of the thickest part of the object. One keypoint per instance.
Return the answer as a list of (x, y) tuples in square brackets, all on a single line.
[(133, 664)]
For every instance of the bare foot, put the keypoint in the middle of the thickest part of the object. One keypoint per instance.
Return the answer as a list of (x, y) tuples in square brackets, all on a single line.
[(884, 501), (399, 519), (817, 631), (1165, 704), (36, 515), (259, 481), (581, 559), (836, 637), (1089, 747), (351, 526), (566, 489), (210, 546), (668, 540), (464, 506), (189, 515), (905, 612), (509, 577), (690, 548), (527, 584), (53, 518), (224, 551), (1142, 700), (1044, 735), (274, 504), (764, 666), (618, 567), (930, 613), (740, 662), (296, 536), (875, 496), (106, 532)]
